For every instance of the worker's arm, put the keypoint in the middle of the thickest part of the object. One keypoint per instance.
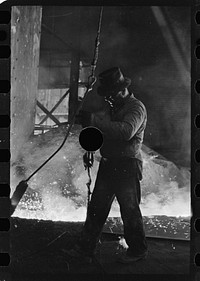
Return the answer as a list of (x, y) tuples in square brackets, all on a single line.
[(85, 118), (121, 130)]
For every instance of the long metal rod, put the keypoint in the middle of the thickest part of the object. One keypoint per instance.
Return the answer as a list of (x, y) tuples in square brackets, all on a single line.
[(91, 81), (66, 136), (22, 186)]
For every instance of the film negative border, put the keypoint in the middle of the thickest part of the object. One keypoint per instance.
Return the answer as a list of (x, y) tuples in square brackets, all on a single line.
[(5, 17), (195, 148), (5, 52)]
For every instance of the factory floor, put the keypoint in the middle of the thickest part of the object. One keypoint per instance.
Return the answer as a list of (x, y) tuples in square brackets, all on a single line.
[(37, 253)]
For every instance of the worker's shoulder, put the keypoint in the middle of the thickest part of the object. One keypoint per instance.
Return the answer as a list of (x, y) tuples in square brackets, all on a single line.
[(133, 102)]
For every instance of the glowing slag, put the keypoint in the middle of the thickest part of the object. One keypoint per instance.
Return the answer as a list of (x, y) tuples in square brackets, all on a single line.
[(58, 191)]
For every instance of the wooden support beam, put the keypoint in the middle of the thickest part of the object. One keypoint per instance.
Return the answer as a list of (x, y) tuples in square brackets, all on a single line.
[(74, 76), (25, 52), (74, 71), (48, 113), (55, 106)]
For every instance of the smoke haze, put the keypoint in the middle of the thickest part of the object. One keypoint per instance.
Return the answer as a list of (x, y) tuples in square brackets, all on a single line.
[(140, 49), (58, 191)]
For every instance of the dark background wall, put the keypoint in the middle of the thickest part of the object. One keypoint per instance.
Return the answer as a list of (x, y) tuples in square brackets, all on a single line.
[(132, 39)]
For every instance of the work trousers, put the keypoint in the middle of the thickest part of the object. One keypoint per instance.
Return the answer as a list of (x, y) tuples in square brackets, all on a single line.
[(120, 178)]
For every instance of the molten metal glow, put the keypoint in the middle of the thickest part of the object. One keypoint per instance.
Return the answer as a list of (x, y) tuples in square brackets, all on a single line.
[(58, 191)]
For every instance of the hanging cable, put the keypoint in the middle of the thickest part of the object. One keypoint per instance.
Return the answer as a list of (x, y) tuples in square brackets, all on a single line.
[(22, 186), (88, 160), (97, 43), (88, 157)]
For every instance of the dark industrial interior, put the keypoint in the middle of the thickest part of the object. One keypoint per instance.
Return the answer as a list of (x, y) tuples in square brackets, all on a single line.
[(52, 51)]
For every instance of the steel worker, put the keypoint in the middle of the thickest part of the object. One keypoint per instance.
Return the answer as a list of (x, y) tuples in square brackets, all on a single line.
[(122, 123)]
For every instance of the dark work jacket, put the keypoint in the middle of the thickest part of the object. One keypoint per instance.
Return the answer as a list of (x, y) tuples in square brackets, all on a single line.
[(123, 130)]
